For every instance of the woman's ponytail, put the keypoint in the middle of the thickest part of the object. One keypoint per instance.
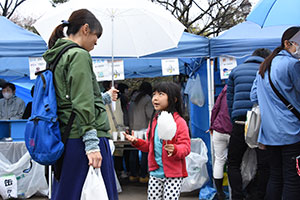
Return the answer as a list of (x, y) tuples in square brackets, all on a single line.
[(287, 35), (56, 34)]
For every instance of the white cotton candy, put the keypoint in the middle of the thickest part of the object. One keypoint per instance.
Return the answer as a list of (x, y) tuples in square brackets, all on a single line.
[(166, 126)]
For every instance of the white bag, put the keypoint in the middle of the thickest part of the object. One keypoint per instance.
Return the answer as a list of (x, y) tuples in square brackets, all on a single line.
[(8, 186), (248, 166), (196, 166), (252, 126), (195, 91), (166, 126), (94, 188)]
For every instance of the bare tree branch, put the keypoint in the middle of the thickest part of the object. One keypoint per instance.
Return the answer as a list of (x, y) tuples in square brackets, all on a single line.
[(209, 19)]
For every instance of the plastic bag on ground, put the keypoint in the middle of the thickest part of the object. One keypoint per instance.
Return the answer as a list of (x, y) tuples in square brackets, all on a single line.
[(93, 187), (14, 159), (8, 186), (166, 126), (196, 167)]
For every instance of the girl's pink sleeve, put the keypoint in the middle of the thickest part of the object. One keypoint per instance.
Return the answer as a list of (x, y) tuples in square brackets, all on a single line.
[(182, 147)]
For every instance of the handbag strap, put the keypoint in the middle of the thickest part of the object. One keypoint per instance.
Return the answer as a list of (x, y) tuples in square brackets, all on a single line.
[(286, 102)]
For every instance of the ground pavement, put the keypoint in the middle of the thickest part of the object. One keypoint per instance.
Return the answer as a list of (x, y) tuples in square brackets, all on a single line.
[(138, 191)]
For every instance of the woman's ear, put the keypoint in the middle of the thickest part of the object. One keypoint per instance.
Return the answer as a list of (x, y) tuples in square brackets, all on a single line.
[(287, 44), (85, 29)]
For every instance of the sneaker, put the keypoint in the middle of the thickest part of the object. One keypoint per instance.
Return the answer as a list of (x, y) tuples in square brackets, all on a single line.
[(143, 180), (133, 178)]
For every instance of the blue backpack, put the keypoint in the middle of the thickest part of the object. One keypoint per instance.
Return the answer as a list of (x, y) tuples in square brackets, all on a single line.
[(42, 135)]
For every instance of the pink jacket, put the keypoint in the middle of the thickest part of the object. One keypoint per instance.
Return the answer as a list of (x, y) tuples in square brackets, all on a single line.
[(174, 166)]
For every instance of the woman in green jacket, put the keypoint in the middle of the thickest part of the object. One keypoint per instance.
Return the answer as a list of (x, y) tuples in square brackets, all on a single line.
[(77, 91)]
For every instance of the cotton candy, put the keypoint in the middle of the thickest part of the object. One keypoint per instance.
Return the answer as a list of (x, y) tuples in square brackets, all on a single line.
[(166, 126)]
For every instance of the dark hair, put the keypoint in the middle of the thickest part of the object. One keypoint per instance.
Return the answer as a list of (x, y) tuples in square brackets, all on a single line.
[(122, 87), (262, 52), (10, 85), (287, 35), (144, 89), (106, 85), (174, 96), (77, 19)]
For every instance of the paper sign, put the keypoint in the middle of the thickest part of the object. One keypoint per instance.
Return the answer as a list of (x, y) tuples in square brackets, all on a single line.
[(36, 64), (103, 69), (226, 65), (170, 67)]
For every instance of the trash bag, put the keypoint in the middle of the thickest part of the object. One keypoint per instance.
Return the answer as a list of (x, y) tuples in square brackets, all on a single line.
[(8, 186), (14, 159), (166, 126), (248, 166), (93, 187), (195, 91), (196, 168)]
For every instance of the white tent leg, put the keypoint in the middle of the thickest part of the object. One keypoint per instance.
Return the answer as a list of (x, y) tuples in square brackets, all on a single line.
[(49, 181)]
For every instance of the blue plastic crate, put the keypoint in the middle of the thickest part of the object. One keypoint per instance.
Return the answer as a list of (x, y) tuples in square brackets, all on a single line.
[(17, 129), (4, 129)]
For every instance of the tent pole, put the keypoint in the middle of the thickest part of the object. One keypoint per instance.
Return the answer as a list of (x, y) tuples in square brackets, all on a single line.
[(210, 87)]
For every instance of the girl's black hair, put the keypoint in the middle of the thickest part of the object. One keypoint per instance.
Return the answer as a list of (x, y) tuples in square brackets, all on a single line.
[(144, 89), (174, 96), (287, 35), (77, 19)]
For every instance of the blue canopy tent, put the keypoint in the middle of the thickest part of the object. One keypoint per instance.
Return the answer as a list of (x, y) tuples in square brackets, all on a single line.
[(16, 45), (242, 39)]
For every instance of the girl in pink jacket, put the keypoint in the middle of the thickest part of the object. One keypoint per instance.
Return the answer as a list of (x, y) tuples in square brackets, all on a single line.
[(166, 159)]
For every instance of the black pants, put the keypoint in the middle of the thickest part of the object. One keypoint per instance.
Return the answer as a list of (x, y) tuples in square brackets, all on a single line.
[(284, 182), (236, 150), (256, 189)]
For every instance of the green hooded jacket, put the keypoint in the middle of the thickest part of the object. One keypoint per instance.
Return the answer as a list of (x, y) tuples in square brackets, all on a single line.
[(77, 90)]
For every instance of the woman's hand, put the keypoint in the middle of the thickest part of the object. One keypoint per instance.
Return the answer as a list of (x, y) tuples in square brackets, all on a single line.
[(131, 138), (170, 149), (95, 159), (113, 94)]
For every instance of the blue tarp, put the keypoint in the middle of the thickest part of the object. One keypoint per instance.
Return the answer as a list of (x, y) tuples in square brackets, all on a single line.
[(242, 39), (18, 42), (16, 45)]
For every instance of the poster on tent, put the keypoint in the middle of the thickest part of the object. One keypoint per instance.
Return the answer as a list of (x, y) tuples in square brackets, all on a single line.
[(226, 65), (36, 64), (170, 67), (102, 69)]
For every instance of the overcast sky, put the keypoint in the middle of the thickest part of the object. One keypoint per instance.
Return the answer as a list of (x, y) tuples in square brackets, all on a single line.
[(36, 8)]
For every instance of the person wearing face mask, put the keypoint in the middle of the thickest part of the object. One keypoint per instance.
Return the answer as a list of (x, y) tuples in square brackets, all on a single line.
[(11, 107), (280, 128)]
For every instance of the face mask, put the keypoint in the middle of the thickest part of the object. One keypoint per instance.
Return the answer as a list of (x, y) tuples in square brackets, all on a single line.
[(296, 54), (7, 95)]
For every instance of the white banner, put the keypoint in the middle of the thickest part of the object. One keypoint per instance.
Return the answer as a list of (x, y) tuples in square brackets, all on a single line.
[(170, 67), (103, 69), (226, 65), (36, 64)]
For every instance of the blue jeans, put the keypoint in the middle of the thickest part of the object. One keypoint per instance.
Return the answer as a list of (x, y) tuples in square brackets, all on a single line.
[(284, 182)]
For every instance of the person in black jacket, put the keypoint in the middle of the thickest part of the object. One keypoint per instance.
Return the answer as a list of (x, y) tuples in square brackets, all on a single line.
[(238, 99), (27, 112)]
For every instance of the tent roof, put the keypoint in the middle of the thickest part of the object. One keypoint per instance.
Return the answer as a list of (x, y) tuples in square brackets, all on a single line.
[(18, 42), (242, 39), (189, 46)]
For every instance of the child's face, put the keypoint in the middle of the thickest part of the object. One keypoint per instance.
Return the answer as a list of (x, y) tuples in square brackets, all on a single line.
[(160, 100)]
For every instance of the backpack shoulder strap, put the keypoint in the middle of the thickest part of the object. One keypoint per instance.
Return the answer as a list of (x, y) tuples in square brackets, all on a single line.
[(52, 65)]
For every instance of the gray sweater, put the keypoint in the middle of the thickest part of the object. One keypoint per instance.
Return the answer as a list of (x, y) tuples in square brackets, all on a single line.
[(140, 113)]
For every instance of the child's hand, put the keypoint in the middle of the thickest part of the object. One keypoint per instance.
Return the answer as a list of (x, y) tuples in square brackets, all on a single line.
[(170, 149), (131, 137)]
